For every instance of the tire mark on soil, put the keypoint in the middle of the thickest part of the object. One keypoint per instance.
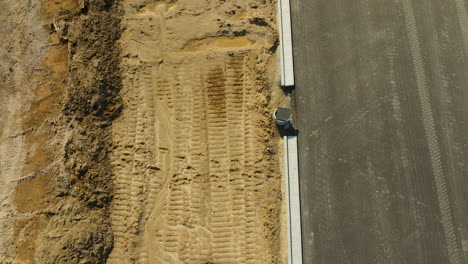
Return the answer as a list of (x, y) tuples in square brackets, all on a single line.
[(432, 140)]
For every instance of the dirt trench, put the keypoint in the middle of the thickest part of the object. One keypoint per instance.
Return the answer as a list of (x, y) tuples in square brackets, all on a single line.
[(138, 131)]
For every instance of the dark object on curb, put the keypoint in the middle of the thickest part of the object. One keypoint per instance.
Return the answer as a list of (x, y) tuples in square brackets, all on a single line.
[(282, 117)]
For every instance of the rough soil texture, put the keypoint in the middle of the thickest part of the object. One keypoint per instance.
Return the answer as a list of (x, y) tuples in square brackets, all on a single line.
[(60, 82), (138, 131), (197, 178)]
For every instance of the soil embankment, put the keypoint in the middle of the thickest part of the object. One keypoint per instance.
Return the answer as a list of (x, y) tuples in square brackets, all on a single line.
[(60, 80)]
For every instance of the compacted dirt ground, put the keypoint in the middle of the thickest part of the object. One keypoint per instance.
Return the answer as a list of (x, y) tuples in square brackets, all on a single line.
[(195, 178), (139, 131)]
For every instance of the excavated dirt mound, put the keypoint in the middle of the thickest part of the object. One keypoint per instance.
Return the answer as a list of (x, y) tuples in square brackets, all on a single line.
[(60, 73)]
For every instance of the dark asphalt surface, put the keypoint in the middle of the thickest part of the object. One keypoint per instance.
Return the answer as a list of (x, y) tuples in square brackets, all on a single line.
[(382, 109)]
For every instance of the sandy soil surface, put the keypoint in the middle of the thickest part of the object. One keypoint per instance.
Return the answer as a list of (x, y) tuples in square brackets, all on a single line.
[(32, 67), (55, 176), (139, 131), (197, 177)]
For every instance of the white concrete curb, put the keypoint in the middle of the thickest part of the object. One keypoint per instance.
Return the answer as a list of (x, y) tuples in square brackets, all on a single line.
[(293, 200), (286, 49)]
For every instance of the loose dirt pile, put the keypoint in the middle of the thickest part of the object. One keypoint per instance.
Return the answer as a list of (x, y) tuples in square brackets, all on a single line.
[(60, 83), (139, 131)]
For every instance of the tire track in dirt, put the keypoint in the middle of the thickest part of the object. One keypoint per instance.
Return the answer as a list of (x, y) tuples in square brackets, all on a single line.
[(139, 171), (178, 207), (197, 251), (235, 114), (252, 154), (233, 224), (151, 183), (431, 136), (131, 179), (121, 206), (221, 233)]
